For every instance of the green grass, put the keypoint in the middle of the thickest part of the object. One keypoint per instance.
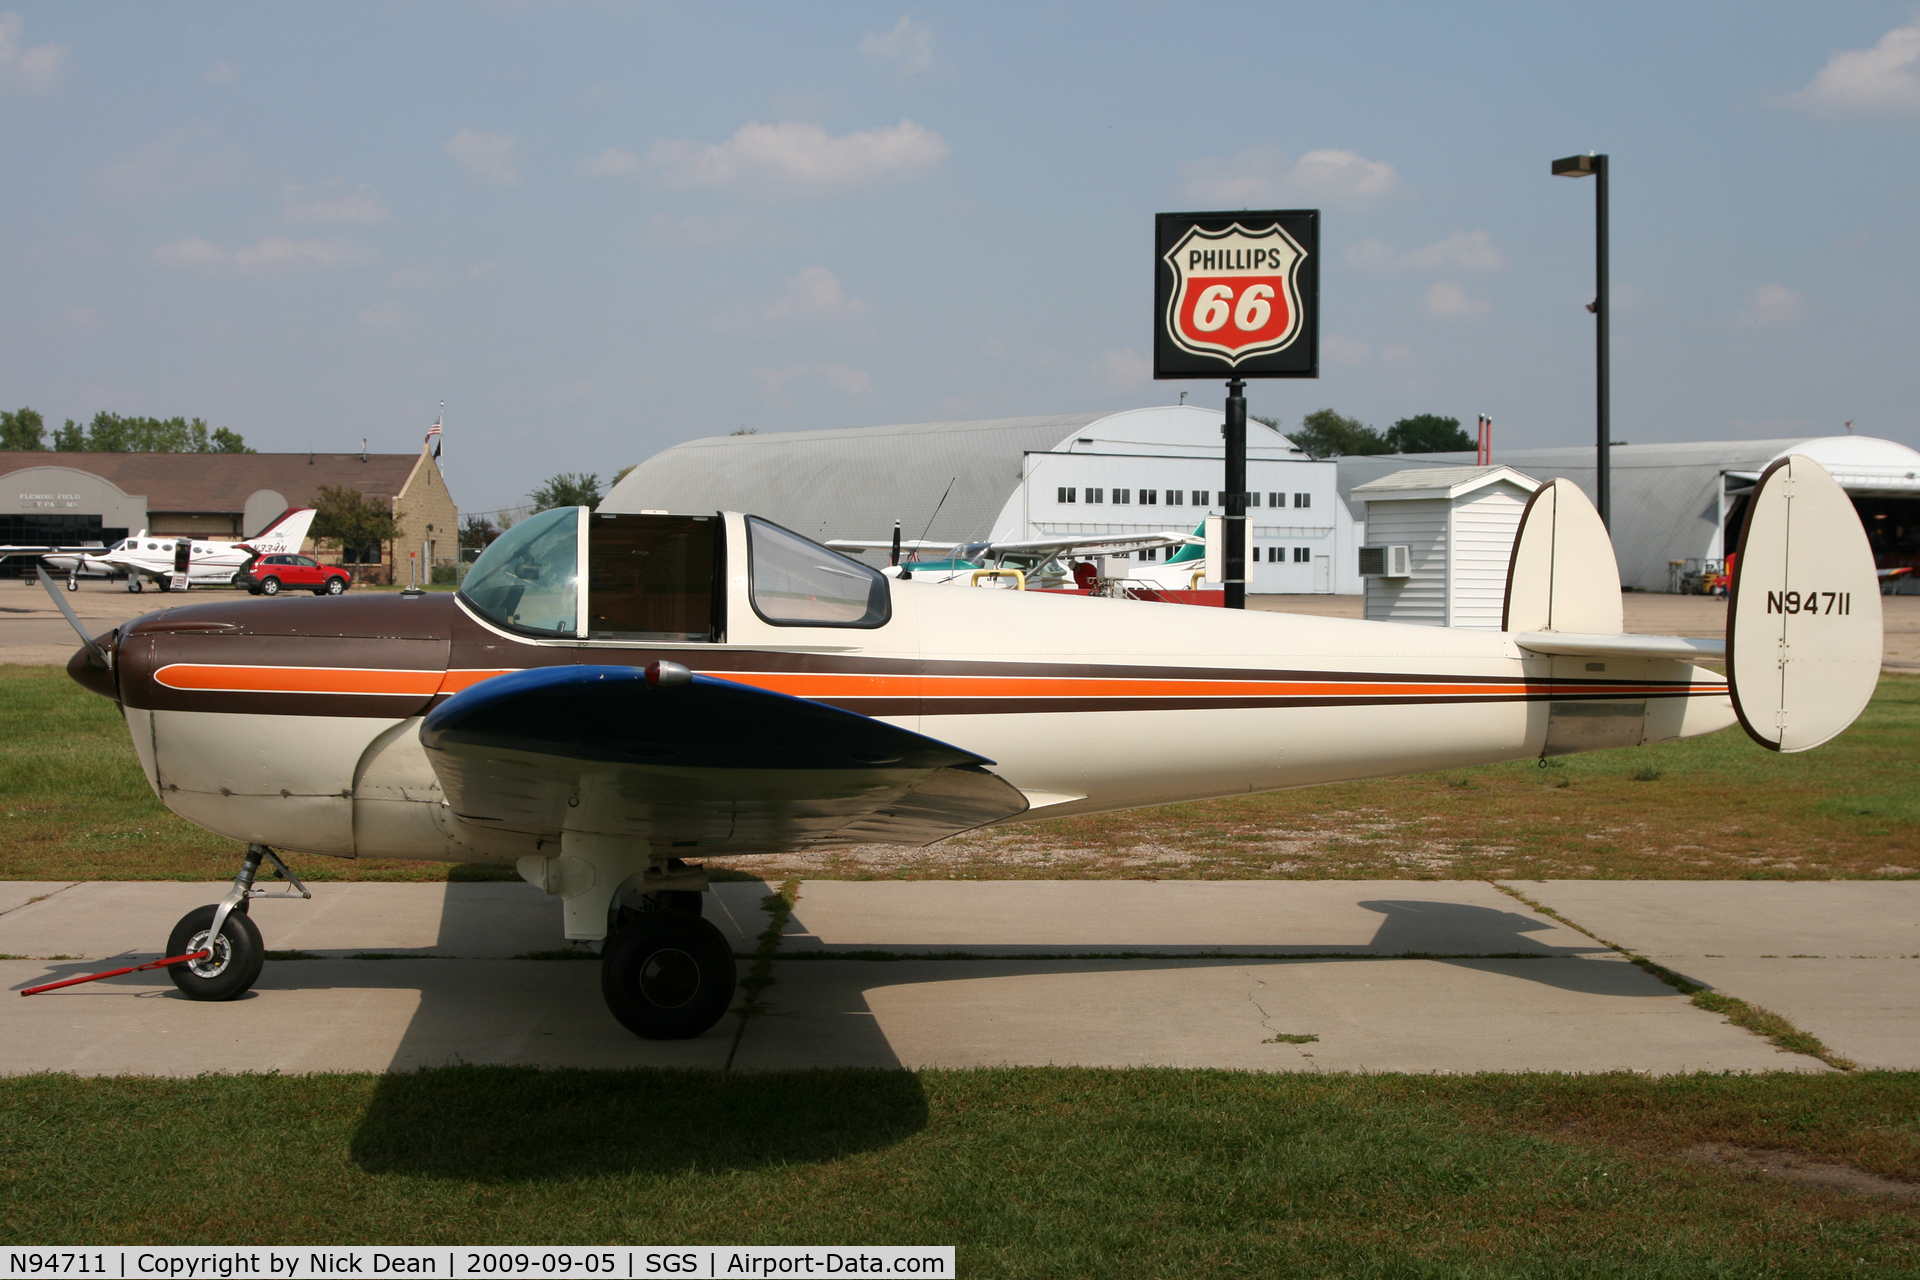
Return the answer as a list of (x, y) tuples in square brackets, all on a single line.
[(1032, 1172)]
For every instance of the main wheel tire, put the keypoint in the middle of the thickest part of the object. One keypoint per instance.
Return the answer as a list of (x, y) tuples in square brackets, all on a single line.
[(269, 586), (73, 584), (668, 976), (136, 585), (234, 966), (335, 585)]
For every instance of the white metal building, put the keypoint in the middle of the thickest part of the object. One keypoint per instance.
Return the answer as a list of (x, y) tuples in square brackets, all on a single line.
[(1676, 506), (1457, 525), (1137, 471)]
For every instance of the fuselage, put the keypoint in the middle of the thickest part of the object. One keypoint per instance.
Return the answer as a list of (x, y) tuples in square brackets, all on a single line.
[(297, 726)]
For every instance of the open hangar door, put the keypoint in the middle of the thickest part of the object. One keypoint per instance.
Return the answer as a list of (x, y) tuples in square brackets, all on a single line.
[(1883, 479)]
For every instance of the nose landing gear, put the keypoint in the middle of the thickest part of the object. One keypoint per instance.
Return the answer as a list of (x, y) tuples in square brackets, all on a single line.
[(223, 930)]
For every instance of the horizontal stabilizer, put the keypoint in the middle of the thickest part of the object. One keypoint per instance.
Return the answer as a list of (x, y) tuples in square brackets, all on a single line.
[(1804, 638), (701, 765), (1562, 576), (1574, 644)]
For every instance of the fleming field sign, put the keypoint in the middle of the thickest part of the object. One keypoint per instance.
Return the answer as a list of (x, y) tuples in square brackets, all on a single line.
[(1237, 294)]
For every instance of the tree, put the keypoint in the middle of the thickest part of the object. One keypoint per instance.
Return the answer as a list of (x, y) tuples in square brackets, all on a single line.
[(356, 525), (568, 489), (23, 431), (477, 532), (1326, 434), (1428, 433), (112, 433)]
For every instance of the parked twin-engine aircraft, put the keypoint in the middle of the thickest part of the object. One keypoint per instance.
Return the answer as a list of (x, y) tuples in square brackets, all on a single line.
[(610, 695), (207, 564)]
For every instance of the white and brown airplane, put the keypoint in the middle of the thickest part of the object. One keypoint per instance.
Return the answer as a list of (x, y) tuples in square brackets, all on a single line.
[(611, 695)]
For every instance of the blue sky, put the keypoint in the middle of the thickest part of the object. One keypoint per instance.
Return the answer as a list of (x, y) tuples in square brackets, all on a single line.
[(597, 229)]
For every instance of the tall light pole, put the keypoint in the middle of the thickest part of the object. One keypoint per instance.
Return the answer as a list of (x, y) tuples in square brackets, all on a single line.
[(1591, 165)]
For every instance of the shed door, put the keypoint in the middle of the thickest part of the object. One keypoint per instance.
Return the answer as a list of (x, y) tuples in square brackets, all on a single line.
[(1323, 575)]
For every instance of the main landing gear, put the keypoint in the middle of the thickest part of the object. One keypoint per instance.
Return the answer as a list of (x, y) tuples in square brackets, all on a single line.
[(666, 974), (224, 931)]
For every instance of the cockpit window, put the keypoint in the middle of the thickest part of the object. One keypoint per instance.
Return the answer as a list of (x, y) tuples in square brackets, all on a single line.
[(651, 577), (527, 579), (798, 583)]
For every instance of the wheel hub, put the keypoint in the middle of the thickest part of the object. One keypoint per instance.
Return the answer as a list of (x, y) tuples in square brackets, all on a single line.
[(211, 966), (669, 978)]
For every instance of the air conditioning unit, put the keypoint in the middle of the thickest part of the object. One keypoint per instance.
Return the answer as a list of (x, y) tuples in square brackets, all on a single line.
[(1386, 562)]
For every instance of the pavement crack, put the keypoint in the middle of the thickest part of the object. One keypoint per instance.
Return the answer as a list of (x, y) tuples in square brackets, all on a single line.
[(1762, 1022), (1266, 1019), (41, 898), (779, 909)]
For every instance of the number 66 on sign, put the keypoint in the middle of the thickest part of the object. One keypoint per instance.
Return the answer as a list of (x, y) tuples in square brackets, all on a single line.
[(1237, 294)]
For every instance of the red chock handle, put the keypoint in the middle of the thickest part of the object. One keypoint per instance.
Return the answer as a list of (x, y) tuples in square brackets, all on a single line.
[(114, 973)]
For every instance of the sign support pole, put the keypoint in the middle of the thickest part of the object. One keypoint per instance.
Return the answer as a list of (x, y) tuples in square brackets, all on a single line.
[(1235, 498)]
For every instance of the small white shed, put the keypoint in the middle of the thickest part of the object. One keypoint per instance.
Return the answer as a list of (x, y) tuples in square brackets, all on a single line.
[(1438, 542)]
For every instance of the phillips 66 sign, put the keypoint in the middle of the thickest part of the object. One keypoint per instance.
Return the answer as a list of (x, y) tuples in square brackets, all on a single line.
[(1237, 295)]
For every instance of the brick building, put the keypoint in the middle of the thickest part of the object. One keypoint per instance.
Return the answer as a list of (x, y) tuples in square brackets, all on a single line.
[(78, 497)]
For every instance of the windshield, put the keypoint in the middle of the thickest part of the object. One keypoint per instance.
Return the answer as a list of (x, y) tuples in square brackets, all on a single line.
[(526, 579)]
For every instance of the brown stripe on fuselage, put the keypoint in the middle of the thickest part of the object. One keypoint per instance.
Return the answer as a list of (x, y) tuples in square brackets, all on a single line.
[(397, 659)]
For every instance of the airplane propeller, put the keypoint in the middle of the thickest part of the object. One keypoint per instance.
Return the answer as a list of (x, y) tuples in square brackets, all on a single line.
[(95, 654)]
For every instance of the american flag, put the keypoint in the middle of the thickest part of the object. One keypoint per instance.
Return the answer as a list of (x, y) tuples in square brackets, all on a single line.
[(433, 437)]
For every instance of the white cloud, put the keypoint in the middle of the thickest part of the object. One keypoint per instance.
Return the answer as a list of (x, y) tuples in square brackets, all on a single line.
[(800, 157), (1125, 370), (222, 73), (333, 206), (611, 163), (907, 49), (486, 157), (277, 253), (183, 162), (386, 315), (815, 294), (1448, 301), (1261, 176), (1880, 80), (191, 252), (31, 71), (773, 381), (1343, 350), (1461, 251), (1770, 305)]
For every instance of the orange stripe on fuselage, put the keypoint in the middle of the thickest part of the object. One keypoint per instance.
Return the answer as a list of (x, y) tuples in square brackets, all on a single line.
[(347, 680), (837, 686)]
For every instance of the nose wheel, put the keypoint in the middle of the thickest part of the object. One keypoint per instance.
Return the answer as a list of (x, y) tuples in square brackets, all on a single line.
[(667, 975), (235, 953)]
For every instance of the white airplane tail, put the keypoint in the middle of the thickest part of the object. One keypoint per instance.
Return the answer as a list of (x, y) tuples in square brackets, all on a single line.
[(1804, 636), (285, 535), (1803, 641)]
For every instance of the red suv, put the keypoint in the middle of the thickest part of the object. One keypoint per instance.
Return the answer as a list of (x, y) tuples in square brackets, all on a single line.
[(266, 575)]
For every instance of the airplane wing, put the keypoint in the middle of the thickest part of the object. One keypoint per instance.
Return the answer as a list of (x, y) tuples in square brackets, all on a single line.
[(1031, 546), (699, 764), (886, 544)]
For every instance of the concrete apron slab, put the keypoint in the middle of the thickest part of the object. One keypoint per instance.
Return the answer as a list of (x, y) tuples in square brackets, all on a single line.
[(1174, 917), (1578, 1007), (130, 920), (1840, 959), (1370, 1015)]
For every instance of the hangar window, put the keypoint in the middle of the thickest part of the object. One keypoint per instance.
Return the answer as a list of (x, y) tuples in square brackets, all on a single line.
[(1200, 498), (526, 580), (799, 583), (1173, 497), (1147, 497), (1301, 555), (652, 577), (1096, 495), (1253, 499), (1276, 499), (1066, 495), (1122, 496), (1149, 553), (1302, 499)]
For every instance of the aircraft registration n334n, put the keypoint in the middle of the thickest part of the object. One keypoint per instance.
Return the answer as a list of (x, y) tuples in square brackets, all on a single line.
[(612, 695)]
